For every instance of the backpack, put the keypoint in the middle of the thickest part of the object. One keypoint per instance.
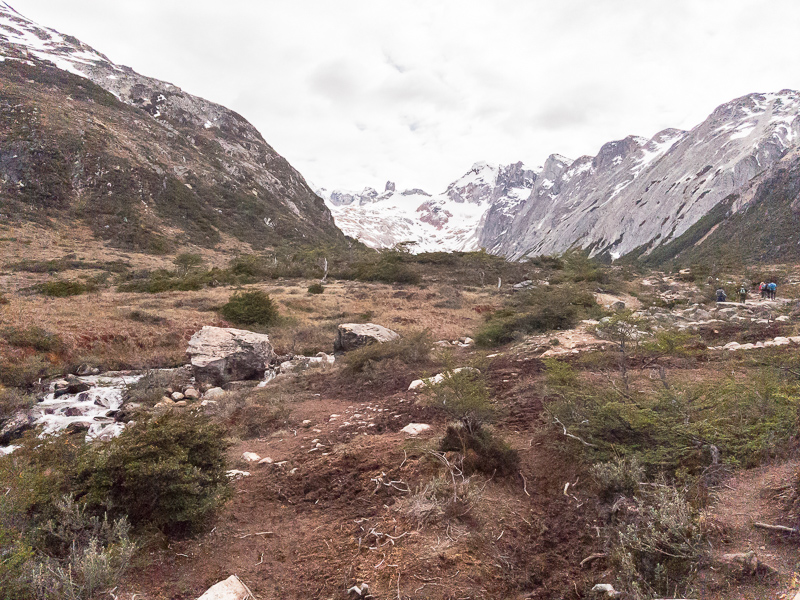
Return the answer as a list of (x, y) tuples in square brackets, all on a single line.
[(772, 287), (742, 291)]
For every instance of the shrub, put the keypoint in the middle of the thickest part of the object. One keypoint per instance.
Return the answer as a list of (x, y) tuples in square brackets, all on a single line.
[(464, 395), (482, 450), (657, 553), (250, 308), (33, 337), (62, 289), (84, 554), (316, 288), (187, 261), (412, 349), (250, 413), (389, 268), (166, 472), (3, 299), (618, 477), (536, 311), (27, 370)]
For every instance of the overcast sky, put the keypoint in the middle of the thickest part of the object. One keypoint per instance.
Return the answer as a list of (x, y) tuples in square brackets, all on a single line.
[(355, 92)]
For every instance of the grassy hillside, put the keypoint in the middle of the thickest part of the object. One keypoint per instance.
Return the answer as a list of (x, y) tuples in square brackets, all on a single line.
[(70, 151)]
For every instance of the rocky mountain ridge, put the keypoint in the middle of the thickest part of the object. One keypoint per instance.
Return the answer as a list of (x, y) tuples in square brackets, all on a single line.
[(174, 156), (447, 221), (635, 195)]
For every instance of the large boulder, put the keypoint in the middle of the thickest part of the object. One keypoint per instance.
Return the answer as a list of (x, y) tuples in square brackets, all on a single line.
[(220, 355), (355, 335)]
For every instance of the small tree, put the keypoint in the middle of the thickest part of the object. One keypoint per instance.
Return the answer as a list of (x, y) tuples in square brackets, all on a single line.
[(187, 261)]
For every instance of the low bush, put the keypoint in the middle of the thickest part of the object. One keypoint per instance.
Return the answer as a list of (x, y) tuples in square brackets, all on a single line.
[(84, 554), (483, 451), (678, 427), (657, 552), (412, 349), (389, 268), (166, 472), (539, 310), (3, 299), (250, 308), (316, 288), (33, 337), (63, 288), (27, 370), (252, 413), (618, 477)]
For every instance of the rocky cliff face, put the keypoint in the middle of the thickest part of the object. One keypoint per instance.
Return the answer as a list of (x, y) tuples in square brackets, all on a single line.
[(448, 221), (165, 156), (639, 192)]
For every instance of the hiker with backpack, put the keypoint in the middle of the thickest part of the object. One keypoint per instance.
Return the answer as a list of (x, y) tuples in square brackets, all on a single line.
[(742, 294), (763, 289), (771, 289), (721, 295)]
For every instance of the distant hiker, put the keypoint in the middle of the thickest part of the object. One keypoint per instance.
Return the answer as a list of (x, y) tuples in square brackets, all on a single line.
[(771, 289), (742, 294), (763, 289), (721, 295)]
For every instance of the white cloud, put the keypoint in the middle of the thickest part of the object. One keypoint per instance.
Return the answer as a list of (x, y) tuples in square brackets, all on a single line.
[(355, 92)]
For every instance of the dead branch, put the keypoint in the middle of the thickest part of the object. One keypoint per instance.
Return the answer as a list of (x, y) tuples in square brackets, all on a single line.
[(593, 557), (574, 437), (524, 484), (776, 528)]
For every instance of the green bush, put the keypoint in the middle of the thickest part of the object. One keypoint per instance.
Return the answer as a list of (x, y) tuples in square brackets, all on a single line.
[(412, 349), (33, 337), (166, 472), (389, 268), (316, 288), (539, 310), (3, 299), (250, 308), (482, 450), (464, 395), (680, 427), (62, 289)]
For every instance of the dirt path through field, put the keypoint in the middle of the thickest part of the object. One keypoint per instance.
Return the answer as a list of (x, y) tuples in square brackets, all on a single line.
[(755, 496)]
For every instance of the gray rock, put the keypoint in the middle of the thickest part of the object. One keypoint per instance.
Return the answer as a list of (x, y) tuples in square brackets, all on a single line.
[(14, 427), (219, 355), (214, 392), (356, 335), (191, 394)]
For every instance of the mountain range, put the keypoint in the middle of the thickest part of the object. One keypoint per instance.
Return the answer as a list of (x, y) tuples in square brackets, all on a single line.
[(634, 196), (150, 167)]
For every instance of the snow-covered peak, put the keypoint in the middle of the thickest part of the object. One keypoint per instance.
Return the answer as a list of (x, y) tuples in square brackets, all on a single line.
[(22, 38), (448, 221)]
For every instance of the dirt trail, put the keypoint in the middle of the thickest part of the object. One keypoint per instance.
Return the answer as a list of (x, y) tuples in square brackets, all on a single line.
[(746, 498)]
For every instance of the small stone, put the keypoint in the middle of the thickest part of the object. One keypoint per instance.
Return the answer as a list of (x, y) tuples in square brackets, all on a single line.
[(177, 396), (251, 457), (266, 461), (306, 423), (415, 428), (180, 403), (191, 394)]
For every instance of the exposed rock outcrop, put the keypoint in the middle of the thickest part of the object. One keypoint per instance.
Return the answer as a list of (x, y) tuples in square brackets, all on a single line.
[(356, 335), (220, 355)]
